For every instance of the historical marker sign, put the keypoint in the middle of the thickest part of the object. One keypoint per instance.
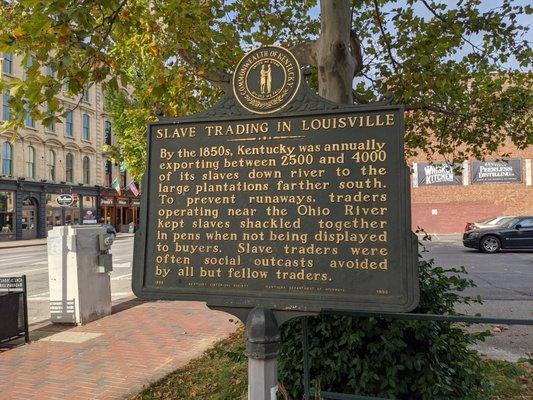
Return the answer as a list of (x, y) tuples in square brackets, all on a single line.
[(265, 201)]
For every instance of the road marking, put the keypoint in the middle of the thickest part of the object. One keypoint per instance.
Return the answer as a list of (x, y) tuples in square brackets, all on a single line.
[(119, 294), (22, 272), (120, 277), (122, 265), (16, 258), (39, 294)]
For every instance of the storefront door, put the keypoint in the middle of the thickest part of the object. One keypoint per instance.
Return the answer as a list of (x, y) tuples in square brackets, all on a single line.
[(29, 218), (122, 214)]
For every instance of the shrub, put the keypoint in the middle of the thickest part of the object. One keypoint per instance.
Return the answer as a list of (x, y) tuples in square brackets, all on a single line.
[(390, 358)]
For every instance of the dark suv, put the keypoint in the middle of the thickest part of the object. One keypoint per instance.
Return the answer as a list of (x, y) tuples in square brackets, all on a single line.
[(514, 234)]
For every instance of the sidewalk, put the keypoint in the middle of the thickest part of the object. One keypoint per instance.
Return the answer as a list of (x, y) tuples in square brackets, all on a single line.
[(114, 357), (42, 242)]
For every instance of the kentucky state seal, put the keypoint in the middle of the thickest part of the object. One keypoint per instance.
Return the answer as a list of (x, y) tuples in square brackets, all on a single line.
[(266, 79)]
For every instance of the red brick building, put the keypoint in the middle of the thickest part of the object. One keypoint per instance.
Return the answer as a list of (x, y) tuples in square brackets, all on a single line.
[(444, 201)]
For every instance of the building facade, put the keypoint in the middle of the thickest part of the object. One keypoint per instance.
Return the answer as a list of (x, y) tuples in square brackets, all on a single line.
[(444, 199), (39, 164)]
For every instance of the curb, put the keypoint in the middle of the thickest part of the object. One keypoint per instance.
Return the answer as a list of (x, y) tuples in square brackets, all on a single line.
[(20, 243), (15, 246)]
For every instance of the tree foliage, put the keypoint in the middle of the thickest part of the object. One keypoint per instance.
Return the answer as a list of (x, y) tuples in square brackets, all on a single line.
[(461, 70)]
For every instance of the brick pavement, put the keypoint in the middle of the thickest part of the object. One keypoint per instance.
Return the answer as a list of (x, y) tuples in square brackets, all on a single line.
[(111, 358)]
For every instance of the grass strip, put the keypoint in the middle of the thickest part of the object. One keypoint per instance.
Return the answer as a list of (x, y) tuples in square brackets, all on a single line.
[(221, 374)]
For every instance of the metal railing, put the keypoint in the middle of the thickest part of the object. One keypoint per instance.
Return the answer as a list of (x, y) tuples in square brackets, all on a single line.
[(309, 391)]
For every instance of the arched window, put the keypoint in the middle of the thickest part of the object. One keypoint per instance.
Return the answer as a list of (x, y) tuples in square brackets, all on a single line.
[(30, 163), (86, 170), (7, 159), (69, 167), (51, 165)]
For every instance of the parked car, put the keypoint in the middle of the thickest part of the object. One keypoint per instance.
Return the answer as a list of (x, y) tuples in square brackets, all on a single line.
[(110, 230), (488, 223), (516, 233)]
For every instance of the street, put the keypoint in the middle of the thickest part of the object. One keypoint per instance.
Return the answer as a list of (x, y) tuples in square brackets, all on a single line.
[(504, 281), (504, 276), (32, 261)]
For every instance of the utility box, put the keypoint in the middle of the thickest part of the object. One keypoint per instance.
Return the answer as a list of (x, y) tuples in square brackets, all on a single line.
[(79, 266)]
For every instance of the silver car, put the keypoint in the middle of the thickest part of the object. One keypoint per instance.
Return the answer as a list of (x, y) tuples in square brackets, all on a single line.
[(490, 222)]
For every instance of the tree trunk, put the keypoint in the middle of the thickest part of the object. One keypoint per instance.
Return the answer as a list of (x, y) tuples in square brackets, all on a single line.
[(335, 62)]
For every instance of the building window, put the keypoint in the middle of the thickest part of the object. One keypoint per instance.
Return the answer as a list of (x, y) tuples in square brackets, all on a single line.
[(123, 179), (108, 173), (85, 94), (30, 163), (69, 123), (6, 212), (69, 167), (86, 170), (86, 127), (5, 106), (29, 64), (107, 133), (7, 65), (7, 159), (51, 165), (28, 119), (51, 127)]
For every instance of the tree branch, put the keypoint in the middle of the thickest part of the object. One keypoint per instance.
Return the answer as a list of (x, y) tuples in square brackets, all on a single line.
[(438, 110), (357, 52), (220, 79), (395, 64), (305, 53)]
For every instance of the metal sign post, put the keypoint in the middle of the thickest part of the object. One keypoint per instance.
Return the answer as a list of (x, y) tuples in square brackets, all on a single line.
[(262, 350)]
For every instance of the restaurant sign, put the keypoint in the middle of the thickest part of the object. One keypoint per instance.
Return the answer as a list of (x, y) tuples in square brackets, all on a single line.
[(65, 200), (497, 171), (438, 174), (106, 201)]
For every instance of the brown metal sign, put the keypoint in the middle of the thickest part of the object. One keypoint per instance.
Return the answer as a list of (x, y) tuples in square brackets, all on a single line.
[(304, 209)]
